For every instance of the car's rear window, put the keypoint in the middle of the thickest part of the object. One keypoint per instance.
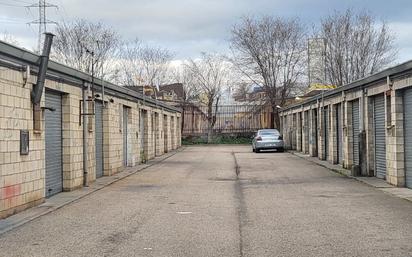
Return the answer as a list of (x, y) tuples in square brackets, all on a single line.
[(269, 133)]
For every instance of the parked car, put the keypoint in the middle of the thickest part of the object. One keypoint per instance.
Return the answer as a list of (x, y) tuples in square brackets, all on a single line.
[(267, 139)]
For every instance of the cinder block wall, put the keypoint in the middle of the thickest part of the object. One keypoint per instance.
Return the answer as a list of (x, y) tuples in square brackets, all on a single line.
[(394, 122), (22, 177)]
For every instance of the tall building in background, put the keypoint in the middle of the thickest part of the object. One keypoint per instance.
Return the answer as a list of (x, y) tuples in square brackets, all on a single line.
[(317, 64)]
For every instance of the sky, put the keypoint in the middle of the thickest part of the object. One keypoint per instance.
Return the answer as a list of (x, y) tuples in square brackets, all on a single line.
[(189, 27)]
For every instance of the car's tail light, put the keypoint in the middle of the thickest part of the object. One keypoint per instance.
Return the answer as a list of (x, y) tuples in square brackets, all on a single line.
[(259, 138), (280, 138)]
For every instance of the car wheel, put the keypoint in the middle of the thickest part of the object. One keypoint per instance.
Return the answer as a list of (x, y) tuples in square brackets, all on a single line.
[(253, 149), (281, 150)]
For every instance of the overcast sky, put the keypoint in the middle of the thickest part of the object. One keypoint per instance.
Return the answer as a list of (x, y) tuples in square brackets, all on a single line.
[(188, 27)]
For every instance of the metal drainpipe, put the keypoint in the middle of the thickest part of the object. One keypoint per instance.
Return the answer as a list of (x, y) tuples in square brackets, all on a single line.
[(85, 136), (37, 91)]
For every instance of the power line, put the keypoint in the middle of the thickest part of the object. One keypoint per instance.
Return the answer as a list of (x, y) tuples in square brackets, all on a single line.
[(42, 21)]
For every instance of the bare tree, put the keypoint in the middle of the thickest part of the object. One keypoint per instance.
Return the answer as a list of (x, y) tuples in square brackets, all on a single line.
[(270, 52), (143, 65), (242, 91), (183, 74), (81, 43), (210, 75), (9, 38), (357, 46)]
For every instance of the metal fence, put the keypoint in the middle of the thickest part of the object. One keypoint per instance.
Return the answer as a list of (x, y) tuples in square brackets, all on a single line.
[(230, 119)]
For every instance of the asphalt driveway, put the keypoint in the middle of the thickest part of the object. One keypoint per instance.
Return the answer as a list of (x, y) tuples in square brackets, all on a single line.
[(195, 204)]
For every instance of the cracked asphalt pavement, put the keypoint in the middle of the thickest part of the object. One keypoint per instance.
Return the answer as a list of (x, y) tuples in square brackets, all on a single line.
[(194, 204)]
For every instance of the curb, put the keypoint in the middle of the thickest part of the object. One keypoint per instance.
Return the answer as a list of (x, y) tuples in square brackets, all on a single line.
[(120, 176), (341, 171)]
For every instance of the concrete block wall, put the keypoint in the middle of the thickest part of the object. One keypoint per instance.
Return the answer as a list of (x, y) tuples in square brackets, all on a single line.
[(394, 118), (22, 177), (395, 162)]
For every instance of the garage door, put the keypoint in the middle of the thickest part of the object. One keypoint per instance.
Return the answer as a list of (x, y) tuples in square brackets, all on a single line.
[(125, 118), (142, 135), (380, 142), (306, 150), (315, 115), (339, 140), (99, 139), (165, 132), (407, 99), (53, 137), (355, 131), (326, 131)]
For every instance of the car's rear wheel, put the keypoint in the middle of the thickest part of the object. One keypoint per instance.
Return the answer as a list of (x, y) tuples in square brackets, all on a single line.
[(281, 150)]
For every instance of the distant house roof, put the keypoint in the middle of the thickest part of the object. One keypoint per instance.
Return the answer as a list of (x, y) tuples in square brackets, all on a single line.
[(176, 88)]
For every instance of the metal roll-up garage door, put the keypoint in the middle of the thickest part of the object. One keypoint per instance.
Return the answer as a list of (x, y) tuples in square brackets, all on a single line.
[(339, 133), (380, 139), (326, 131), (407, 103), (315, 114), (165, 134), (306, 150), (99, 138), (142, 135), (300, 131), (355, 131), (53, 138), (125, 118)]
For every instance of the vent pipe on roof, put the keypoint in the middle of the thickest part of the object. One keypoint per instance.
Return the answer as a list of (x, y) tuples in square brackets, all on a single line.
[(37, 91)]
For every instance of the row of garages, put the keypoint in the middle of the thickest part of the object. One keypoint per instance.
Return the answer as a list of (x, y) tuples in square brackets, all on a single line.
[(78, 133), (152, 138), (365, 126)]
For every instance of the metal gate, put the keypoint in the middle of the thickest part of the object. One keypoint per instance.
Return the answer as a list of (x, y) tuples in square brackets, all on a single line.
[(355, 131), (407, 103), (98, 137), (339, 141), (53, 137), (306, 131), (326, 131), (380, 139), (125, 118)]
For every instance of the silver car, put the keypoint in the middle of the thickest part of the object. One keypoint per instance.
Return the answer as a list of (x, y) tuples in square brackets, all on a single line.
[(267, 139)]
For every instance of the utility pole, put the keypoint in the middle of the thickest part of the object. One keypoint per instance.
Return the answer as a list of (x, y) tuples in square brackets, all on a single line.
[(42, 21)]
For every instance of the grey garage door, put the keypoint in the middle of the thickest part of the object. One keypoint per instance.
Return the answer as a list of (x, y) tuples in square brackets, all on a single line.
[(407, 99), (339, 133), (380, 142), (99, 139), (355, 131), (326, 131), (306, 150), (165, 132), (125, 118), (315, 115), (142, 135), (53, 137)]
